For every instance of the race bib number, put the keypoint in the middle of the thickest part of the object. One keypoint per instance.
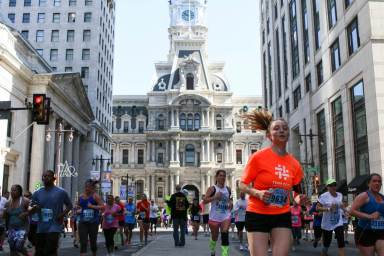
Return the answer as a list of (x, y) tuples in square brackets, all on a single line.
[(142, 215), (295, 220), (378, 224), (109, 218), (335, 216), (46, 215), (279, 197), (196, 218), (241, 215), (129, 214), (88, 214), (35, 217)]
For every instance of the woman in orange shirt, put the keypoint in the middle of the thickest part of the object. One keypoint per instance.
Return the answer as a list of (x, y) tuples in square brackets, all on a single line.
[(269, 178)]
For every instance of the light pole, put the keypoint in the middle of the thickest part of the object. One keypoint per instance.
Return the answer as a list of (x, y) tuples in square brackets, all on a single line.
[(59, 133), (101, 159)]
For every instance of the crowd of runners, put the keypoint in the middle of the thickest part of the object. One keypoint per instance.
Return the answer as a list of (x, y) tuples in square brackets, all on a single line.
[(271, 208)]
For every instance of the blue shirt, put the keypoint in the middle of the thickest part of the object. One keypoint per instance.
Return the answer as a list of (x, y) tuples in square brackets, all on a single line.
[(51, 202), (130, 213)]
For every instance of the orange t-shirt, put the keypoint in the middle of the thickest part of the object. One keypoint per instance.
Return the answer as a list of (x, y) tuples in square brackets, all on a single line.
[(267, 170)]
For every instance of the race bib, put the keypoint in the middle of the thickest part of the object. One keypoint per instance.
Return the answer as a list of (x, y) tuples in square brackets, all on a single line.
[(109, 219), (142, 215), (196, 218), (378, 224), (35, 217), (279, 197), (88, 214), (222, 205), (241, 215), (335, 216), (129, 213), (46, 214), (295, 220)]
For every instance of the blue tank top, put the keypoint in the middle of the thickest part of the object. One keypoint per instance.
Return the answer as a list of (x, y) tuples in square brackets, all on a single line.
[(87, 214), (369, 208)]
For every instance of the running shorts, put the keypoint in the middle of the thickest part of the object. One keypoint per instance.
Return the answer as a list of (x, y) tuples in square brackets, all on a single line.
[(130, 226), (255, 222), (368, 237), (240, 225), (205, 218), (153, 221)]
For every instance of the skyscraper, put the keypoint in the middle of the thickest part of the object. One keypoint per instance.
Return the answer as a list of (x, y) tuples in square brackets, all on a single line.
[(74, 36), (322, 64)]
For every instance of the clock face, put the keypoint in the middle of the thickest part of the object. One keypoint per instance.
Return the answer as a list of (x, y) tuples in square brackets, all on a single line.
[(188, 15)]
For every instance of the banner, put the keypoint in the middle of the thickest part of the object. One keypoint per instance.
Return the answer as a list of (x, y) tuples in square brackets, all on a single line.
[(123, 192)]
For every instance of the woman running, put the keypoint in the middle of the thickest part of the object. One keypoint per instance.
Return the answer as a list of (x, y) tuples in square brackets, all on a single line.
[(110, 223), (331, 204), (143, 208), (220, 214), (296, 213), (90, 204), (16, 216), (274, 174), (195, 211), (368, 207)]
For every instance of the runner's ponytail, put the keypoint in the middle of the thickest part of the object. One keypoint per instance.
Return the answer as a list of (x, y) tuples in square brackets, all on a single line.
[(259, 119)]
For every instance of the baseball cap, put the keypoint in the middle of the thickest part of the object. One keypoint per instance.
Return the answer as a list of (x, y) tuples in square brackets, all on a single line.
[(330, 181)]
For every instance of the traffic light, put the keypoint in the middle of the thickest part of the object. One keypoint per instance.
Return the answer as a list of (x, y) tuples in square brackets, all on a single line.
[(40, 109), (316, 180)]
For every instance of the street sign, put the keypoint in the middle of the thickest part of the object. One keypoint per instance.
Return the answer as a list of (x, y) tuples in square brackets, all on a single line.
[(123, 192), (95, 175), (310, 169)]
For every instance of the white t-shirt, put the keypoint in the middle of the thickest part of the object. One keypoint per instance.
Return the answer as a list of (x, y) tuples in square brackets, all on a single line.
[(153, 211), (240, 208), (333, 219)]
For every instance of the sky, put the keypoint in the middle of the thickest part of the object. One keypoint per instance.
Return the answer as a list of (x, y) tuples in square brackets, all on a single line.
[(141, 39)]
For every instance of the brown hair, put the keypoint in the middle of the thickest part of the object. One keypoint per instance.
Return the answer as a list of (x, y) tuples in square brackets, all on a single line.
[(260, 120)]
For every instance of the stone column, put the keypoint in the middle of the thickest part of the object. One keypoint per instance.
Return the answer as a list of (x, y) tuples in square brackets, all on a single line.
[(68, 153), (203, 189), (246, 153), (153, 144), (208, 117), (49, 156), (177, 119), (172, 151), (208, 177), (153, 189), (132, 154), (213, 119), (166, 189), (147, 186), (148, 151), (203, 150), (37, 155), (178, 150), (227, 150), (76, 164), (172, 119), (208, 150), (233, 187), (177, 178), (166, 151)]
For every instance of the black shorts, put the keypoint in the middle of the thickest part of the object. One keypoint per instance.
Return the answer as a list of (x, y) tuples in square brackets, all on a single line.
[(121, 223), (153, 221), (240, 226), (205, 218), (130, 226), (195, 218), (264, 223), (339, 235), (367, 237)]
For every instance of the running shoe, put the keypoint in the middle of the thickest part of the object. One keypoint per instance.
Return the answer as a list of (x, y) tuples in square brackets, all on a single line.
[(241, 247)]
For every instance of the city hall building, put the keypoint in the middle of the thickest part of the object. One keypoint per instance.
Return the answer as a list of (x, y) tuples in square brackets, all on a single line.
[(189, 125)]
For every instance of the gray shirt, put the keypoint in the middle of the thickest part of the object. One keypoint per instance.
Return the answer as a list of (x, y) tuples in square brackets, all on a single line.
[(51, 202)]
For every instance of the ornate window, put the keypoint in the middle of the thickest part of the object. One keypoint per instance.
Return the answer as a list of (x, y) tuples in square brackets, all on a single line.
[(183, 121), (219, 122), (197, 122), (160, 122), (190, 81), (189, 154), (190, 122)]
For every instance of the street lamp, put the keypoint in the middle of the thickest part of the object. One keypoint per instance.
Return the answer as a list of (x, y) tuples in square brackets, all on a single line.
[(59, 132)]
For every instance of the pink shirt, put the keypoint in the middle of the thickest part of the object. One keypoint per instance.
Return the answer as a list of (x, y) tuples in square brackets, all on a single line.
[(296, 216), (110, 221)]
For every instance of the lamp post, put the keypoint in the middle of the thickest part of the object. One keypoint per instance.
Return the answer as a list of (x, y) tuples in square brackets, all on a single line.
[(59, 132), (311, 135), (101, 159)]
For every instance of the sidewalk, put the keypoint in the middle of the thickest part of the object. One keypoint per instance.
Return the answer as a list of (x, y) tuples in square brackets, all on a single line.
[(164, 246)]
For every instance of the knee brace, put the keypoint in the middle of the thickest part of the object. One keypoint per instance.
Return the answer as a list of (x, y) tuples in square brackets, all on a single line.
[(224, 238)]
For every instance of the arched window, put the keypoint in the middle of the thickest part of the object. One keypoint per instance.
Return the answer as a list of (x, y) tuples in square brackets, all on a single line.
[(197, 121), (190, 81), (189, 154), (182, 121), (219, 122), (190, 122)]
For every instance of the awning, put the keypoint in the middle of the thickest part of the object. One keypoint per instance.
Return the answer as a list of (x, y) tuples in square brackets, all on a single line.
[(342, 187), (358, 184)]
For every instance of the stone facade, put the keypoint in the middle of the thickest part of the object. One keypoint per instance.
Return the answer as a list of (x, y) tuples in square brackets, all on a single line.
[(25, 150), (189, 125), (322, 66)]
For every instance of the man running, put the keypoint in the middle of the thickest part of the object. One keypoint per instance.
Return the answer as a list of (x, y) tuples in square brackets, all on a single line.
[(240, 208), (179, 206), (49, 201), (220, 215), (130, 210), (331, 204), (153, 215)]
